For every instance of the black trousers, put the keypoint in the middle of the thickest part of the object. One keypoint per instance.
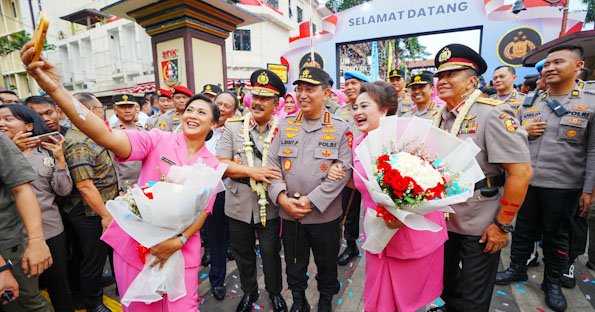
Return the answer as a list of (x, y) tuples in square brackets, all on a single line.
[(55, 278), (243, 241), (577, 237), (468, 289), (93, 253), (547, 213), (323, 240), (216, 227), (351, 229)]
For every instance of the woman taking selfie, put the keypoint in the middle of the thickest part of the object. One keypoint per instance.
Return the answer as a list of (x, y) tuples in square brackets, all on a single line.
[(158, 151), (53, 179)]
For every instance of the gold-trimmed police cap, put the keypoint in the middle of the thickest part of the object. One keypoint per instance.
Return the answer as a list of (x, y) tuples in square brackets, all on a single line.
[(211, 89), (266, 83), (421, 79), (458, 56), (396, 73), (123, 99), (313, 75)]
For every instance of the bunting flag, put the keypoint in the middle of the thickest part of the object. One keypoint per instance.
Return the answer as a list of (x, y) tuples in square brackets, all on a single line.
[(497, 10), (329, 26)]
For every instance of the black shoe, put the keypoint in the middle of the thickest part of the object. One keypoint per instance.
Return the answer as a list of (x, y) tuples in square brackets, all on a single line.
[(230, 256), (247, 301), (107, 280), (99, 308), (438, 309), (325, 304), (554, 298), (206, 258), (590, 265), (534, 260), (515, 273), (78, 303), (567, 280), (278, 303), (219, 292), (349, 253), (300, 304)]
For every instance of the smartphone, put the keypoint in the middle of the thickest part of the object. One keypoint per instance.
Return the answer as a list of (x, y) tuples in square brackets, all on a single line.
[(39, 36), (46, 137)]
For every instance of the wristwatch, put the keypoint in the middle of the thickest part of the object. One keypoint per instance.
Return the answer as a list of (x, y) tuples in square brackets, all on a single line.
[(506, 228), (183, 239), (7, 266)]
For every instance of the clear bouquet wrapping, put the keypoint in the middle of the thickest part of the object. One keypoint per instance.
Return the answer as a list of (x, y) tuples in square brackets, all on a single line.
[(162, 211), (412, 169)]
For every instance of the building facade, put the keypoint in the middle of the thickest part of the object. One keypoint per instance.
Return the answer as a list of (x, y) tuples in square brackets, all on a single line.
[(104, 55)]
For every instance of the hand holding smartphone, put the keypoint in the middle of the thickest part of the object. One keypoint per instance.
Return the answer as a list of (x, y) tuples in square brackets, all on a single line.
[(47, 137), (39, 36)]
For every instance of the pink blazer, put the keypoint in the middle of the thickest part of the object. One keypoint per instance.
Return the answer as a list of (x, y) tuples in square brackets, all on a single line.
[(407, 243), (150, 147)]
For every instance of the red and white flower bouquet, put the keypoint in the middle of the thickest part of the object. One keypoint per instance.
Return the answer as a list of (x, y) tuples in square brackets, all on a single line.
[(413, 168)]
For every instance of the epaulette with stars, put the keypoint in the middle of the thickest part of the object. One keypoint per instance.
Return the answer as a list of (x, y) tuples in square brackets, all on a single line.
[(235, 119), (488, 101)]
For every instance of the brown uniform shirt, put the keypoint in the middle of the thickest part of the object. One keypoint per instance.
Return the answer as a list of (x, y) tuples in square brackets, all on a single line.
[(564, 156), (304, 153), (169, 121), (495, 130), (128, 172), (428, 113), (240, 202)]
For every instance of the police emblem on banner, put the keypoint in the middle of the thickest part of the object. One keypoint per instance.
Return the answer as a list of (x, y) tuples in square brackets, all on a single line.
[(306, 60), (517, 43), (170, 72)]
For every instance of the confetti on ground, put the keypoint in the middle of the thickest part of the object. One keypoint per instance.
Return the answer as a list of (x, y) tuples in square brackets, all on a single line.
[(340, 301), (236, 286), (439, 302), (360, 240), (518, 287), (350, 294), (359, 256), (260, 266), (588, 296), (501, 293), (505, 304), (540, 309), (533, 276), (200, 300), (350, 271), (308, 274), (234, 291), (204, 275), (231, 297), (234, 276), (340, 284)]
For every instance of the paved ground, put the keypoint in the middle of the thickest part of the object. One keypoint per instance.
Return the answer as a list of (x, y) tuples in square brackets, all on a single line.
[(517, 297)]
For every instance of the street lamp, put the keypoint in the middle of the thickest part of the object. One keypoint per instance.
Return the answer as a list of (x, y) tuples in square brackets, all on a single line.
[(519, 6)]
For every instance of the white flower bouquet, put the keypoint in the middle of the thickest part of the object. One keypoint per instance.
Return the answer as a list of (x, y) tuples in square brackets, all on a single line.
[(162, 211), (412, 169)]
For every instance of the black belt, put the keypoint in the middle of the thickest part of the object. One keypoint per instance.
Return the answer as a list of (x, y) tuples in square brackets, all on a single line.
[(242, 180), (495, 181)]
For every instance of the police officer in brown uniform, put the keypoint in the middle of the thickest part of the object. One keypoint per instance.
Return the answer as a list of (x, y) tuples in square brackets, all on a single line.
[(124, 107), (164, 103), (172, 120), (304, 149), (562, 145), (211, 91), (351, 197), (479, 229), (244, 143), (504, 77), (421, 94), (397, 78)]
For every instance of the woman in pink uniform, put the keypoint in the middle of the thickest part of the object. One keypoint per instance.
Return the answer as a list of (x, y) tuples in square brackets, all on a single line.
[(158, 151), (407, 274)]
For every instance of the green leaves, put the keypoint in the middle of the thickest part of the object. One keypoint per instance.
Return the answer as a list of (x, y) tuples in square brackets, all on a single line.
[(16, 41)]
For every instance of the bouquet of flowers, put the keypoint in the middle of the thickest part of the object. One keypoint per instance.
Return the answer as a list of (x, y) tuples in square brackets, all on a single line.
[(159, 211), (412, 169)]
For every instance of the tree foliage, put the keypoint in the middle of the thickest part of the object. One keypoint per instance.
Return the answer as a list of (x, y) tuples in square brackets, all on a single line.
[(16, 41)]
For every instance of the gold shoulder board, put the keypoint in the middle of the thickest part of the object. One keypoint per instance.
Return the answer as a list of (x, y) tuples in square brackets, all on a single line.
[(489, 101), (235, 119)]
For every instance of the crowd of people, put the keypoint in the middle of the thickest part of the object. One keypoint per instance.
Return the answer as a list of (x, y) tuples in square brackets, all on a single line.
[(290, 185)]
